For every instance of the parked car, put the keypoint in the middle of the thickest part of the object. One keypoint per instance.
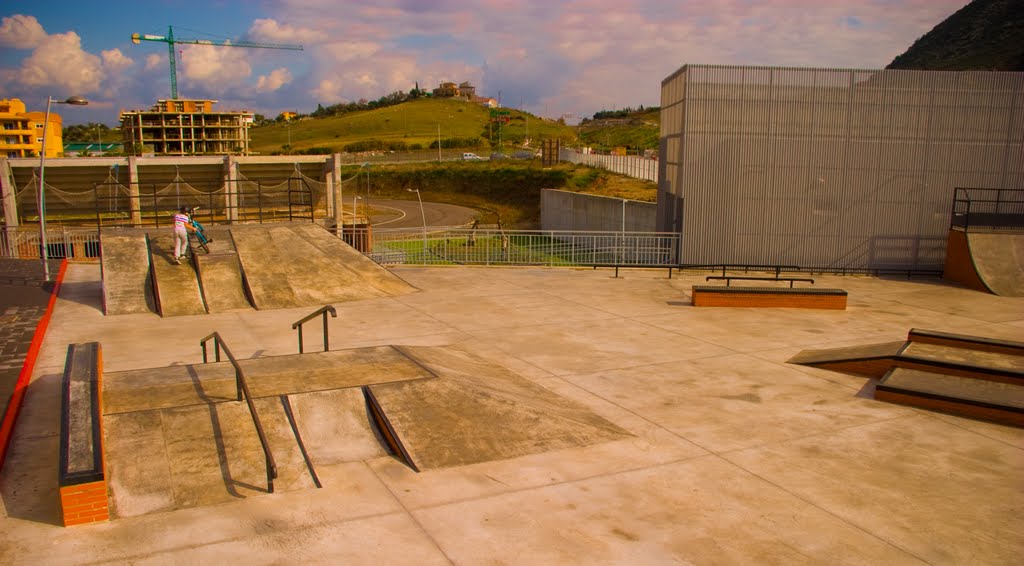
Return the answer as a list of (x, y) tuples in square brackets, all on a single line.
[(471, 157), (498, 156)]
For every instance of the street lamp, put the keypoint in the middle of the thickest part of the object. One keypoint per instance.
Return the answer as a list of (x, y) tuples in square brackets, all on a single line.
[(366, 165), (354, 220), (41, 198), (424, 217)]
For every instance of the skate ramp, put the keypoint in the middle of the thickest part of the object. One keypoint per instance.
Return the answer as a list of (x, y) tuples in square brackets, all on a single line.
[(124, 260), (175, 286), (177, 437), (221, 274), (477, 412), (292, 265), (999, 261), (991, 262), (364, 269), (182, 457), (969, 376)]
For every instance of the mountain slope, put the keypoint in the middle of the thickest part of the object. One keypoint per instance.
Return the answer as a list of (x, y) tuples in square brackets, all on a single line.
[(983, 35)]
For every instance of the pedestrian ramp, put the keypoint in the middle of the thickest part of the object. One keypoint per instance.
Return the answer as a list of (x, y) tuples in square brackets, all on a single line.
[(971, 376)]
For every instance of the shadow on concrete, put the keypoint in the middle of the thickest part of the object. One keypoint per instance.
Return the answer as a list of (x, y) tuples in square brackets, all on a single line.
[(29, 482)]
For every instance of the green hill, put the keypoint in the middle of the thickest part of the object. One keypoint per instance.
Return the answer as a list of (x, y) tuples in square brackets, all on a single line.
[(635, 130), (983, 35), (411, 125)]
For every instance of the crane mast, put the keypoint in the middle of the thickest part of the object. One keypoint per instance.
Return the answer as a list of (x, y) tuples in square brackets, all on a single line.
[(170, 40)]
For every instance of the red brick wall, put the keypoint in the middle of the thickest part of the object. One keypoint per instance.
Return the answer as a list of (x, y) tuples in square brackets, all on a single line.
[(84, 503), (785, 299)]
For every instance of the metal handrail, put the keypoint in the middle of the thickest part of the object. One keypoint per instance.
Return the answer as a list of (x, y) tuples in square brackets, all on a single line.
[(243, 390), (323, 311)]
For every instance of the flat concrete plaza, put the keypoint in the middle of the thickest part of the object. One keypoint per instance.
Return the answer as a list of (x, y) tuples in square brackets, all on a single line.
[(732, 455)]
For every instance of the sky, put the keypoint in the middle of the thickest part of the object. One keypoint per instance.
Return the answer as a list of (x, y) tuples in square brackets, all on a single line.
[(552, 58)]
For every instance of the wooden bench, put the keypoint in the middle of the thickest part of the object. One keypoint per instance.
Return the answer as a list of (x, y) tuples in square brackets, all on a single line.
[(777, 297), (730, 278), (83, 483)]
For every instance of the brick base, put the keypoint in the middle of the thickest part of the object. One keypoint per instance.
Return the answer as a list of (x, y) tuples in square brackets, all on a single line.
[(782, 297), (84, 503)]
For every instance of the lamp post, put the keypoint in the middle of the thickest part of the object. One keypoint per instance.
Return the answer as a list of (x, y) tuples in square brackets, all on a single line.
[(366, 205), (41, 198), (354, 220), (99, 138), (424, 217)]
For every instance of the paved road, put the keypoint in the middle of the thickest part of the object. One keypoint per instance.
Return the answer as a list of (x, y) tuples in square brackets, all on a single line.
[(406, 214)]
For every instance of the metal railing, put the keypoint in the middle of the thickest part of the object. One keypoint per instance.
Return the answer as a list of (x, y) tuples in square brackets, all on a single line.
[(550, 248), (987, 208), (61, 243), (322, 311), (243, 391)]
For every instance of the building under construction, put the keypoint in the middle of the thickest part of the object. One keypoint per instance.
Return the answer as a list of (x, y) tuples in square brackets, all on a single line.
[(185, 127)]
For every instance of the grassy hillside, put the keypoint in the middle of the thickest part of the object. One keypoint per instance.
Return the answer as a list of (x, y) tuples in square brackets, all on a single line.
[(984, 35), (414, 123), (637, 131)]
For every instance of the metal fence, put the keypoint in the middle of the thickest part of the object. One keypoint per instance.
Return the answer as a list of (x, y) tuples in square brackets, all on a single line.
[(73, 244), (463, 246), (629, 165)]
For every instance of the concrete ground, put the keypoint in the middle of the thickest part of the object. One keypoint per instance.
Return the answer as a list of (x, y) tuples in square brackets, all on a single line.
[(735, 456)]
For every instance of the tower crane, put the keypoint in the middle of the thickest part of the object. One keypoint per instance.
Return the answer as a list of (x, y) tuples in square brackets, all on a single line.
[(170, 40)]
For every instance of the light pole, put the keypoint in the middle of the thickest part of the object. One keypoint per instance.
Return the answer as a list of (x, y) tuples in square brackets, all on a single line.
[(439, 142), (41, 198), (354, 245), (366, 205), (424, 217), (99, 137)]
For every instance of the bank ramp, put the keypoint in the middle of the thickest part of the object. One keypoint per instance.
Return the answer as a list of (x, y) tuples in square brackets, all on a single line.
[(265, 266), (125, 264), (291, 265), (988, 261), (971, 376)]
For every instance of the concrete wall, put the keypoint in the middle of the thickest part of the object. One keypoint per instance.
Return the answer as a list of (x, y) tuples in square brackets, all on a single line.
[(564, 210)]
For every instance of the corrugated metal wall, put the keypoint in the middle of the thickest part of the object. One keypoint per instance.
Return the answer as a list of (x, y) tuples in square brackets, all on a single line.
[(830, 168)]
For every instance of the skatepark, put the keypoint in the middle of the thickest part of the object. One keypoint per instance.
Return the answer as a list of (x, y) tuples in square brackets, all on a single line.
[(507, 415)]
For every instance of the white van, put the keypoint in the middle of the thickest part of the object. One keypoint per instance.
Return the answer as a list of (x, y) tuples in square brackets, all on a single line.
[(471, 157)]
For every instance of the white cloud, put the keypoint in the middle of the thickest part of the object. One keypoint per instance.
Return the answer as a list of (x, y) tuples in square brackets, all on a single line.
[(115, 61), (269, 30), (60, 62), (274, 81), (21, 32), (154, 61), (212, 70)]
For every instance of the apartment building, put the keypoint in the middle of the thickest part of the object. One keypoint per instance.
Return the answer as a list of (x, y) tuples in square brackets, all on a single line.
[(185, 127), (21, 132)]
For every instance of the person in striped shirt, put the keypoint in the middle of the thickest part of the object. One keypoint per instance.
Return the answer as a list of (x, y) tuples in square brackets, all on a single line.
[(182, 224)]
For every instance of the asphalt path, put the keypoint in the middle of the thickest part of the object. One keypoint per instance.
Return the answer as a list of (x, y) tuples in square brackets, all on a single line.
[(406, 214)]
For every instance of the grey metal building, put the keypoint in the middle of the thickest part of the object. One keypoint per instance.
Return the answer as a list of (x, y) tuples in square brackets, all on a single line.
[(830, 168)]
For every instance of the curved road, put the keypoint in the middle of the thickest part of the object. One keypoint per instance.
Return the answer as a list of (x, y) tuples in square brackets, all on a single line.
[(406, 214)]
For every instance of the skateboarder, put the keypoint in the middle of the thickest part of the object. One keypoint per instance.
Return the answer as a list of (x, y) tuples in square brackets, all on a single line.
[(182, 224)]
